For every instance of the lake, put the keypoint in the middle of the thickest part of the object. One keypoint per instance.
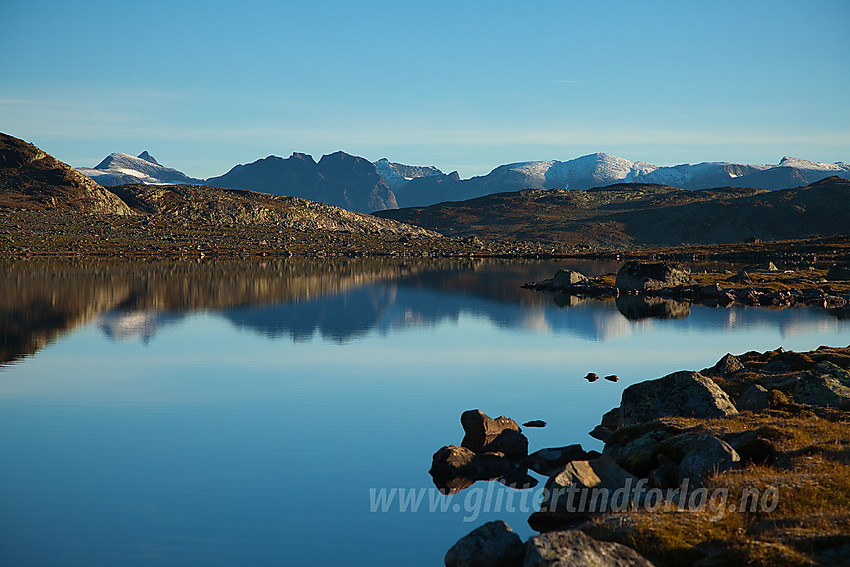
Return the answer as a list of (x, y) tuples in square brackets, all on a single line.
[(221, 414)]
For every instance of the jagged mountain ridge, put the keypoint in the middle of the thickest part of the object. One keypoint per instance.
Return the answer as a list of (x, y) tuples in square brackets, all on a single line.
[(339, 179)]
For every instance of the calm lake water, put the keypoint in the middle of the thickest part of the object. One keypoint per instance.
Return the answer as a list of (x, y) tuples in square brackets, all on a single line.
[(206, 414)]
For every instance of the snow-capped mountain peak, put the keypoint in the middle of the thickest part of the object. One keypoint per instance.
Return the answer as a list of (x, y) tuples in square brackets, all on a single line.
[(119, 168)]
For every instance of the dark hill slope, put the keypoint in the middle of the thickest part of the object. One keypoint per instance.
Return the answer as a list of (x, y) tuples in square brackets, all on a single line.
[(33, 179), (643, 215)]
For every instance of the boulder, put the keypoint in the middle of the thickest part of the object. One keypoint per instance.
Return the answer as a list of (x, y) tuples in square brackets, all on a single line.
[(510, 442), (825, 385), (668, 458), (566, 278), (492, 545), (754, 398), (637, 276), (741, 277), (683, 394), (602, 474), (702, 455), (476, 423), (725, 366), (610, 423), (570, 548), (838, 273), (552, 460), (534, 423)]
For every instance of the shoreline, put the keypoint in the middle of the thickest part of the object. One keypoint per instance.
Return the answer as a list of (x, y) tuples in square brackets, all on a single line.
[(760, 441)]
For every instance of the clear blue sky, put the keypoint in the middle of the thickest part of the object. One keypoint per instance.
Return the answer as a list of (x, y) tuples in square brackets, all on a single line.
[(460, 85)]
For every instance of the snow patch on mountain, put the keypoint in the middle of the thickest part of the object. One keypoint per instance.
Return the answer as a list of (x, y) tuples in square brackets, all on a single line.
[(396, 175)]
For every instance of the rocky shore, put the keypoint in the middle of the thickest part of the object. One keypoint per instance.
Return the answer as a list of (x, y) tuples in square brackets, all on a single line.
[(743, 463), (764, 284)]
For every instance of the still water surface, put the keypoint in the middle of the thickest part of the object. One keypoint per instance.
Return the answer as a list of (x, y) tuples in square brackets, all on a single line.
[(215, 415)]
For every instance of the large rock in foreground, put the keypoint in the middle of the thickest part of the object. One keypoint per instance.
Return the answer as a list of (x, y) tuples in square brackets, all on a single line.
[(637, 276), (572, 548), (492, 545), (682, 394)]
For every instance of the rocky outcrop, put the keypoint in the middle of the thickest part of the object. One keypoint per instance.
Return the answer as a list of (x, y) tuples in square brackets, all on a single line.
[(684, 394), (487, 435), (573, 548), (32, 179), (638, 276), (492, 545)]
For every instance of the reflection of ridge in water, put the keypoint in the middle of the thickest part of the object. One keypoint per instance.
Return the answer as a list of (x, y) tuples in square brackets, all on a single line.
[(637, 307)]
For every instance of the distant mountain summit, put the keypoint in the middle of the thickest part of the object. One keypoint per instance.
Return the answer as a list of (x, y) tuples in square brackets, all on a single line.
[(339, 179), (120, 169), (33, 179)]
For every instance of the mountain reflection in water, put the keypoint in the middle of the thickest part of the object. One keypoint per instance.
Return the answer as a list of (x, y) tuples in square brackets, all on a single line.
[(338, 300)]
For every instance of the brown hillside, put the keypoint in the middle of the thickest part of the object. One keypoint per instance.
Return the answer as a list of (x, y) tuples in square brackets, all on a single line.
[(32, 179)]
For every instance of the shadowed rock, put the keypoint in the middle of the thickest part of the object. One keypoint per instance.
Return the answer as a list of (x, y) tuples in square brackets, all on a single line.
[(492, 545)]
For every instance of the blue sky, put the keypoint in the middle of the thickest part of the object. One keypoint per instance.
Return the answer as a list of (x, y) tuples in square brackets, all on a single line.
[(460, 85)]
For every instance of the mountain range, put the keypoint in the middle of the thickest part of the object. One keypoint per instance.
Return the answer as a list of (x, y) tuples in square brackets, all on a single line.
[(356, 184)]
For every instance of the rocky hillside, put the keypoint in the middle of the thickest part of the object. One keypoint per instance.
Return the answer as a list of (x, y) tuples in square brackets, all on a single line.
[(32, 179), (340, 179), (211, 205), (628, 215)]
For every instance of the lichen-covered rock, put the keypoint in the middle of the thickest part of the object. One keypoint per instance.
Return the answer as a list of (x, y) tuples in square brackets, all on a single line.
[(683, 394), (492, 545), (572, 548), (826, 385), (638, 276)]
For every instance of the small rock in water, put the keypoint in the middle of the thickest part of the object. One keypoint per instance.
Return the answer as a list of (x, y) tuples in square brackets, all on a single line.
[(534, 423), (612, 378), (591, 377)]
